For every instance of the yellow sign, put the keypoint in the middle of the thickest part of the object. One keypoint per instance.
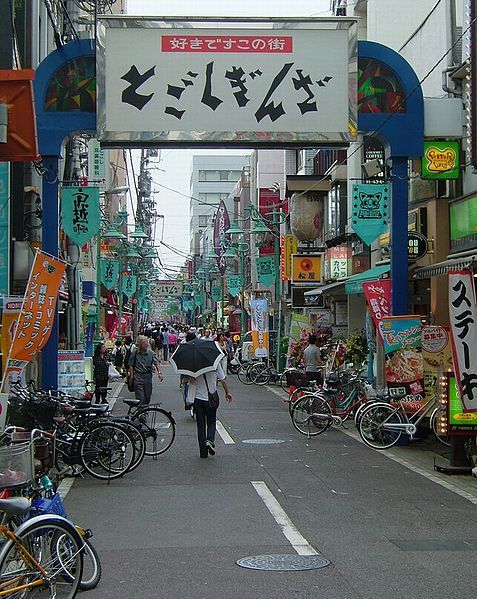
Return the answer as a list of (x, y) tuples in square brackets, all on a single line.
[(306, 268), (289, 246)]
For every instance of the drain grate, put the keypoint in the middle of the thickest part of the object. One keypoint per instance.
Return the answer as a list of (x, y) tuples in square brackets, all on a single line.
[(283, 562), (263, 441)]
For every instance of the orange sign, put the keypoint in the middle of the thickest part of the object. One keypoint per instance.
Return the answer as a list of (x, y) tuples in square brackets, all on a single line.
[(11, 311), (288, 247), (306, 268), (38, 310)]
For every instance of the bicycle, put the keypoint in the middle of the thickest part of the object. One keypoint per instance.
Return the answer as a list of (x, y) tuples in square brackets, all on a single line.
[(382, 424), (262, 373), (158, 425)]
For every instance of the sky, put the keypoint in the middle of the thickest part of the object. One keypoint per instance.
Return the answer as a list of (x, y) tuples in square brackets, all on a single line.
[(175, 165)]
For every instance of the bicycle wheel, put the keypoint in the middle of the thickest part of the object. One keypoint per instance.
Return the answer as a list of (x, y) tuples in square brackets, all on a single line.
[(359, 411), (243, 374), (138, 437), (107, 451), (376, 426), (158, 427), (295, 396), (91, 567), (56, 547), (311, 415), (260, 374), (434, 424)]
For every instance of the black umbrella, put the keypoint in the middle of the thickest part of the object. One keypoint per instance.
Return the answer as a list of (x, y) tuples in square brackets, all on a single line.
[(196, 357)]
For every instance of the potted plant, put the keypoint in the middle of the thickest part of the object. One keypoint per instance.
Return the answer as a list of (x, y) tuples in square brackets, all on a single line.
[(470, 447)]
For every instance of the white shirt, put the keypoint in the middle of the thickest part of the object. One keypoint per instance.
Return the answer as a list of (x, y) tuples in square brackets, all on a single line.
[(212, 378)]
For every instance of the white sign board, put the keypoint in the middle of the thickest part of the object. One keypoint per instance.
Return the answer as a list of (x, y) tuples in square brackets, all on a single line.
[(181, 82), (165, 288)]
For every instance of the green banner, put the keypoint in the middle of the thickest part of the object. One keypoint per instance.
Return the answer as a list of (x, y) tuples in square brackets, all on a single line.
[(80, 216), (109, 272), (216, 293), (266, 270), (234, 284), (370, 211), (198, 299), (187, 304), (129, 285)]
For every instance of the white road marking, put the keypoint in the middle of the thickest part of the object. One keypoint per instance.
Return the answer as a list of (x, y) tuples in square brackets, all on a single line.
[(297, 540), (226, 438), (114, 396)]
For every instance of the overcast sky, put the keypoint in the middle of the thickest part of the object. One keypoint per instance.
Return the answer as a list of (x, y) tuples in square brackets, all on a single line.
[(177, 163)]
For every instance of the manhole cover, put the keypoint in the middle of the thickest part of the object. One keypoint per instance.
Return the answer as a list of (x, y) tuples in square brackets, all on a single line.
[(263, 441), (283, 563)]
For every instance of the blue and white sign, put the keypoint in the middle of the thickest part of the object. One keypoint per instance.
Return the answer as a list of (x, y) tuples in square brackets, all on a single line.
[(370, 211)]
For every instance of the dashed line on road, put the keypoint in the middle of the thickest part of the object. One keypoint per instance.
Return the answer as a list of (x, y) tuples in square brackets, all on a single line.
[(226, 438), (296, 539)]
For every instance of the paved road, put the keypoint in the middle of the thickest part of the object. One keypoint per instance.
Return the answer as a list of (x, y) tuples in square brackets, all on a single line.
[(176, 526)]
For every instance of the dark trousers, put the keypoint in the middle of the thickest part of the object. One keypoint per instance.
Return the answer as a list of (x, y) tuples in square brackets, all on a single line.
[(143, 386), (206, 418), (100, 390)]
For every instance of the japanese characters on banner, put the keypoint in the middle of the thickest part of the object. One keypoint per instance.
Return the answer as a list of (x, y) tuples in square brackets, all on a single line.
[(221, 224), (234, 284), (404, 365), (12, 307), (266, 270), (463, 323), (216, 293), (129, 285), (80, 216), (268, 202), (259, 319), (370, 211), (378, 296), (37, 314), (436, 353), (288, 247), (182, 83), (109, 272)]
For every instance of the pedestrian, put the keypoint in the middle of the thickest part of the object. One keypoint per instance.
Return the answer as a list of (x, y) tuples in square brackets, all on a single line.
[(165, 344), (313, 361), (142, 364), (118, 356), (221, 341), (206, 416), (158, 339), (172, 341), (100, 372)]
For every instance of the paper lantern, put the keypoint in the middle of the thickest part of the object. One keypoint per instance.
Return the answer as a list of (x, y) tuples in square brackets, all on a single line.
[(307, 215)]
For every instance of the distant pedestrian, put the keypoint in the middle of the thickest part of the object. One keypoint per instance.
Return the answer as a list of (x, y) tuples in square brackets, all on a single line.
[(165, 344), (172, 341), (142, 364), (205, 415), (313, 361), (100, 372)]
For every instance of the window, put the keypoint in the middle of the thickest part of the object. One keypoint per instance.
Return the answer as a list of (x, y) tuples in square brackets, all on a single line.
[(203, 220), (218, 176), (212, 198)]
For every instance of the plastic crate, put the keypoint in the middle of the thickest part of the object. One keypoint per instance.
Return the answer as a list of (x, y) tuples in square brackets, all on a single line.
[(48, 505)]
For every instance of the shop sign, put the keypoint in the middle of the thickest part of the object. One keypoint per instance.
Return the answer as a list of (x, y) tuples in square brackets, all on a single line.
[(221, 224), (10, 313), (463, 322), (179, 83), (165, 288), (437, 357), (300, 300), (268, 204), (370, 211), (459, 421), (339, 262), (260, 333), (403, 359), (306, 268), (96, 163), (378, 297), (441, 160), (417, 245), (288, 247), (80, 215), (463, 218)]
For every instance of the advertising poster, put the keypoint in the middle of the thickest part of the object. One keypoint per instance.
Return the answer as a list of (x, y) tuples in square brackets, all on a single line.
[(460, 422), (403, 360), (10, 313), (378, 297), (260, 335), (71, 374), (437, 356)]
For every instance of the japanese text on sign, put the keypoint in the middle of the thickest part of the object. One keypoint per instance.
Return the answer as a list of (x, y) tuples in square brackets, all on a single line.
[(229, 43)]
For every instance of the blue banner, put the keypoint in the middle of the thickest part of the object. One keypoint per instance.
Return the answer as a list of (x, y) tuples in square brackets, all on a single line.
[(4, 227), (80, 216), (266, 270), (129, 285), (234, 284), (109, 272), (370, 211)]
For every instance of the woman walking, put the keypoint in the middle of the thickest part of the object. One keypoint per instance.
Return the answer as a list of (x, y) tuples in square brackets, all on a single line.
[(100, 372)]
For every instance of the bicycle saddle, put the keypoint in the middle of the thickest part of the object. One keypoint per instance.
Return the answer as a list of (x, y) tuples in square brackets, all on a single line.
[(14, 506), (131, 402)]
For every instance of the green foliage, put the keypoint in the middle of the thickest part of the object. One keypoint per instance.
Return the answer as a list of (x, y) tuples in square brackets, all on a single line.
[(356, 349)]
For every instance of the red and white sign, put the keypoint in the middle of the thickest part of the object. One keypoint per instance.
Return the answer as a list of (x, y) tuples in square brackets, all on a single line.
[(463, 323), (378, 296)]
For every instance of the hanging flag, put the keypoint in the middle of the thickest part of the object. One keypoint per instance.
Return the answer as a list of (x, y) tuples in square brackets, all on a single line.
[(109, 272), (198, 299), (129, 284), (80, 215), (378, 296), (259, 320), (234, 284), (222, 223), (216, 293), (266, 270), (463, 323), (370, 211)]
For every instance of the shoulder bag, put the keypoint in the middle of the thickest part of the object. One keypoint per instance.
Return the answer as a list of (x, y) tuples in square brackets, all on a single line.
[(130, 377), (213, 397)]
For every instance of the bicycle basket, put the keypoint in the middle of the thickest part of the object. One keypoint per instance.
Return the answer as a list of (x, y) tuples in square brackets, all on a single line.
[(44, 447), (16, 465), (48, 505), (296, 378)]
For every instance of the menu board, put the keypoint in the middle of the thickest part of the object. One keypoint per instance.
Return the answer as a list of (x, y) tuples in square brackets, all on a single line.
[(71, 376)]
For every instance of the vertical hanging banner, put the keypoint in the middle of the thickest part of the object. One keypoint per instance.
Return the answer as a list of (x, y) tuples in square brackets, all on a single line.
[(404, 366), (37, 314), (80, 216), (378, 296), (129, 285), (370, 211), (288, 247), (234, 284), (268, 203), (266, 270), (109, 272), (259, 320), (221, 224), (437, 356), (463, 323), (216, 293), (12, 307)]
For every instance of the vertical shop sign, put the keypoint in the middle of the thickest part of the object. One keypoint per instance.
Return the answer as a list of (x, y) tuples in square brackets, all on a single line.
[(463, 322), (370, 211), (80, 216), (437, 357), (288, 247), (109, 272), (96, 163), (268, 204), (259, 319), (4, 228), (12, 307), (339, 257), (378, 296), (404, 366), (222, 223), (266, 270)]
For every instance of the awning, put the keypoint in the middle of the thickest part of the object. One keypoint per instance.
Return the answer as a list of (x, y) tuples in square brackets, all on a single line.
[(323, 289), (442, 268), (353, 284)]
